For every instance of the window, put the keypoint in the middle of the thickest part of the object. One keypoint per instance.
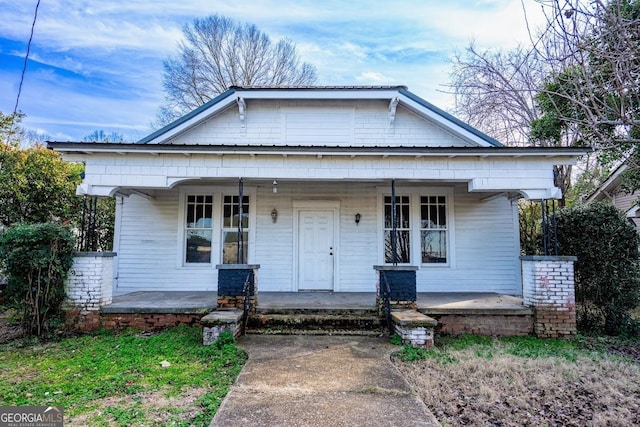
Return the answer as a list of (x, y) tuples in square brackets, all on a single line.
[(234, 249), (433, 229), (403, 230), (198, 228), (425, 231)]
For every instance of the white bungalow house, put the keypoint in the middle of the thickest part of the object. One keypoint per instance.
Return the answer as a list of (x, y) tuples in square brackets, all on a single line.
[(316, 166)]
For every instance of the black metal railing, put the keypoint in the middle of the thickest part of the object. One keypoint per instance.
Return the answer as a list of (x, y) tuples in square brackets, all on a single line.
[(246, 308), (385, 291), (88, 233)]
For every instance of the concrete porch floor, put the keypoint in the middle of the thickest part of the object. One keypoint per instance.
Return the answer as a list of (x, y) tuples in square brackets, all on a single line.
[(205, 302)]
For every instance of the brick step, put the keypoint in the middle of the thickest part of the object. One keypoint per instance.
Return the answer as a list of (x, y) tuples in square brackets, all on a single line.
[(333, 311), (316, 324)]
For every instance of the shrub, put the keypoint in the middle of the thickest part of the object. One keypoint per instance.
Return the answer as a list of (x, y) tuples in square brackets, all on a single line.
[(607, 282), (37, 186), (36, 258)]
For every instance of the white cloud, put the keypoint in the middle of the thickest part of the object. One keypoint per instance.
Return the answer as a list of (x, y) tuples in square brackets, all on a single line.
[(106, 56), (372, 78)]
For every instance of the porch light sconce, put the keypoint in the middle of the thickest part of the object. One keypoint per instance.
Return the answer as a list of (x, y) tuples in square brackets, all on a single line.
[(275, 187), (274, 215), (358, 216)]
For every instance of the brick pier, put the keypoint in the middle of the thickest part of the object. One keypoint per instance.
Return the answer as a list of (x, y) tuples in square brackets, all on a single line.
[(548, 285)]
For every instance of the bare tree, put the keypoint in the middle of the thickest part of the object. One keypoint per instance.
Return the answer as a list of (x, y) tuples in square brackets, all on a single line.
[(101, 136), (495, 91), (498, 92), (592, 49), (218, 53)]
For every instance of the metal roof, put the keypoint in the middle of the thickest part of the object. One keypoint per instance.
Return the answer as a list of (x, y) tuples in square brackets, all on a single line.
[(107, 147)]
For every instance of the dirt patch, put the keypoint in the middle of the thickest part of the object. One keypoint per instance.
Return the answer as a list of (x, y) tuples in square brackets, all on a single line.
[(156, 405), (507, 390)]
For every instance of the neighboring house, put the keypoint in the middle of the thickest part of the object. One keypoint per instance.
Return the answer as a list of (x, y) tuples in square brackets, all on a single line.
[(612, 191), (317, 166)]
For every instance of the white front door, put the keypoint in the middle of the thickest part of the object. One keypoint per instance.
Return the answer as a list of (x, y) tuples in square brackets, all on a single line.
[(315, 250)]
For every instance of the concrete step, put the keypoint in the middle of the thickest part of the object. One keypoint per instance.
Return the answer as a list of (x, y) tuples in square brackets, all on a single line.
[(324, 323)]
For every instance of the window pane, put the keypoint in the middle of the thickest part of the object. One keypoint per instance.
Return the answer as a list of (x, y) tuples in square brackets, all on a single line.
[(231, 211), (198, 246), (433, 234), (387, 214), (228, 214), (404, 216), (198, 234), (231, 215), (403, 225), (434, 246), (191, 215), (402, 247), (230, 247), (199, 211), (433, 216)]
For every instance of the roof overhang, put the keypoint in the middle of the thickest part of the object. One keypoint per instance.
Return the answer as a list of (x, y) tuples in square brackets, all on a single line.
[(90, 148), (611, 183)]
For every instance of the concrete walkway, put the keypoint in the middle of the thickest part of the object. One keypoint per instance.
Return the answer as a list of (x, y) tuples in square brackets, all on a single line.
[(320, 381)]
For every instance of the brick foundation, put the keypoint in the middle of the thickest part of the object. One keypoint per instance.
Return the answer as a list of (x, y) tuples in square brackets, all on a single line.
[(148, 321), (548, 287), (484, 324), (93, 320), (237, 302)]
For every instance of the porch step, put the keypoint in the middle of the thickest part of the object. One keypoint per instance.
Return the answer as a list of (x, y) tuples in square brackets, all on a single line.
[(318, 323)]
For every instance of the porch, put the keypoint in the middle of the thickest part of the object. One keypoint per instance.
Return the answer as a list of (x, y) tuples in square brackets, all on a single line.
[(484, 313), (204, 302)]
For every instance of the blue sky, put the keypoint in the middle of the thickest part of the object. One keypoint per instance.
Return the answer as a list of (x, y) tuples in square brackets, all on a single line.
[(97, 64)]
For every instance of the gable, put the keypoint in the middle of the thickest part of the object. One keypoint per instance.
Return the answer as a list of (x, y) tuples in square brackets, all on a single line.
[(353, 123), (320, 116)]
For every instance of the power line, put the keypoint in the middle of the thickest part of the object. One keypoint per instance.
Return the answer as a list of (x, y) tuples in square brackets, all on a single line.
[(24, 66)]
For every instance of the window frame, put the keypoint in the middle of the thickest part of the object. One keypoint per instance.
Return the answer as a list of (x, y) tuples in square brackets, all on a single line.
[(224, 229), (218, 193), (415, 194), (186, 229), (399, 228)]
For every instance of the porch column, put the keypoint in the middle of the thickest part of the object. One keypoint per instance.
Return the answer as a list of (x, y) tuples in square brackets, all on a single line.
[(548, 285), (89, 287), (232, 279)]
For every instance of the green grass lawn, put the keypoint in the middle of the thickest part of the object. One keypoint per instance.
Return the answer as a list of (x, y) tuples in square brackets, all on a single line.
[(119, 379)]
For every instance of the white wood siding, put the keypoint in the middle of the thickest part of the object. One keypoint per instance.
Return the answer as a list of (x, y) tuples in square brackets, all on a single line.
[(104, 173), (487, 249), (486, 242), (338, 123), (148, 248), (624, 200)]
